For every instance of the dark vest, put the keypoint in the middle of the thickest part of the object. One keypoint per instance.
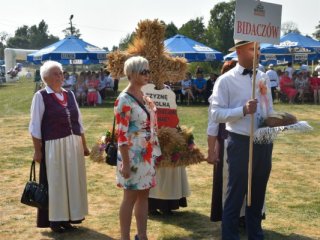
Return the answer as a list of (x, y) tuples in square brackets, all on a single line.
[(59, 121)]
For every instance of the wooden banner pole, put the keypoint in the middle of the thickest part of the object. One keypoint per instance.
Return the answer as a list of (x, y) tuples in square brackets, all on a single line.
[(253, 95)]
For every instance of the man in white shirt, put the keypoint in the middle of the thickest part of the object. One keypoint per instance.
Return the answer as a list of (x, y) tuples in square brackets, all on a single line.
[(231, 103), (274, 80), (289, 69)]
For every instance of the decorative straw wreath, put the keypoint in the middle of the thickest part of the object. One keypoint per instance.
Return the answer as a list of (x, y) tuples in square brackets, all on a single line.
[(177, 147)]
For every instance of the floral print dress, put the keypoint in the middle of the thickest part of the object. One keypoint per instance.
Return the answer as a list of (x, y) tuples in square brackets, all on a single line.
[(137, 129)]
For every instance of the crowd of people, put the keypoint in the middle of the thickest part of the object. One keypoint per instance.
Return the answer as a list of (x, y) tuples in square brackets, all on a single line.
[(287, 85), (90, 88), (194, 90), (298, 85)]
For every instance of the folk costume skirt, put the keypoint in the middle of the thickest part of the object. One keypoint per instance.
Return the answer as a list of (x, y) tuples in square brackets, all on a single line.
[(66, 175)]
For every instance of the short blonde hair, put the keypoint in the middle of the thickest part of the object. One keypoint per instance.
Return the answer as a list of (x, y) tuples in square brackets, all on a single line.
[(135, 65), (46, 67)]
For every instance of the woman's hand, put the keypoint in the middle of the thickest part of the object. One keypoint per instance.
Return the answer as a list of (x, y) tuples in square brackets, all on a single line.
[(213, 154), (125, 170), (37, 156), (86, 151)]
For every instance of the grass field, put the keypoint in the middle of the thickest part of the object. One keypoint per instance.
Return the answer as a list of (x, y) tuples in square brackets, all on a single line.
[(293, 195)]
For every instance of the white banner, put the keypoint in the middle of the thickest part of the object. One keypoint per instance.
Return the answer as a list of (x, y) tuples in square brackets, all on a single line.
[(257, 21)]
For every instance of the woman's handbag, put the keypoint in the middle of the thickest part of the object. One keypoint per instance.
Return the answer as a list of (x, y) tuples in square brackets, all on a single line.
[(112, 148), (35, 194)]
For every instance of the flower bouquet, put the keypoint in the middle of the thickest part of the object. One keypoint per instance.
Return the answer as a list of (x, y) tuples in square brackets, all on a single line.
[(177, 147), (98, 150)]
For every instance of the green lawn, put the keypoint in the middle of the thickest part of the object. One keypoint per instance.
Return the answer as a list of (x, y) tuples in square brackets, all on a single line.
[(293, 196)]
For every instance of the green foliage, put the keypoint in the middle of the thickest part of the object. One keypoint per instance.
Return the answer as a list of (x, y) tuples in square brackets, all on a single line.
[(289, 27), (316, 34), (34, 37), (75, 32), (124, 42), (170, 31), (219, 34), (194, 29)]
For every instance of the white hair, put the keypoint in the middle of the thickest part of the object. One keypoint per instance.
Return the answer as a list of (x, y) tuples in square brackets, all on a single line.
[(135, 65), (46, 68)]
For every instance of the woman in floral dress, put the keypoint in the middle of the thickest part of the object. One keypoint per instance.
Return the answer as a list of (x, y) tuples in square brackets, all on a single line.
[(138, 147)]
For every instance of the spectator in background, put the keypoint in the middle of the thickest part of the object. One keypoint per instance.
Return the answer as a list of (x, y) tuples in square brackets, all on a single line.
[(274, 80), (103, 77), (301, 84), (287, 87), (289, 69), (69, 81), (81, 89), (28, 74), (92, 85), (186, 87), (314, 83), (199, 85), (317, 68), (37, 80), (210, 84)]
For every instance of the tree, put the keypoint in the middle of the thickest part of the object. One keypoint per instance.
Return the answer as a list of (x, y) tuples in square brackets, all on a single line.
[(3, 38), (219, 33), (316, 34), (75, 31), (194, 29), (289, 27), (124, 42), (34, 37), (114, 48), (170, 30)]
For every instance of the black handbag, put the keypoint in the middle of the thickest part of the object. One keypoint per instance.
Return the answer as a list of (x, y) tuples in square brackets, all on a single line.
[(35, 194), (112, 148)]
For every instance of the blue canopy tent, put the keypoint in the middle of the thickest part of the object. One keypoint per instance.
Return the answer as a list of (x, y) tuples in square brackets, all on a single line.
[(182, 46), (71, 50), (295, 47), (292, 47)]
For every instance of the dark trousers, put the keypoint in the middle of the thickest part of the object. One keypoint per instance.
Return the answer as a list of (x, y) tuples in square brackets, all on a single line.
[(273, 93), (237, 159)]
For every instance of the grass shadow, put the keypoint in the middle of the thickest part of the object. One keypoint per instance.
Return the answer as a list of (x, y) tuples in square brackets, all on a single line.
[(199, 228), (272, 235), (80, 233), (201, 224)]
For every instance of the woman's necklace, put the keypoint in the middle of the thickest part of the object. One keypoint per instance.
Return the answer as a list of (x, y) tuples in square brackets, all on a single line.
[(64, 101)]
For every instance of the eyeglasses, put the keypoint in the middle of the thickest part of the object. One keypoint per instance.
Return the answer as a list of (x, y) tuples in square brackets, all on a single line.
[(144, 72)]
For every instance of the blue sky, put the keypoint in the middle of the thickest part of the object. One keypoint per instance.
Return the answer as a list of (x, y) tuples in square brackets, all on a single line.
[(104, 22)]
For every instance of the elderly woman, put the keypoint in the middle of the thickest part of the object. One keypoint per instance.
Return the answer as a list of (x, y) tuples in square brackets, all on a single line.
[(138, 147), (59, 146)]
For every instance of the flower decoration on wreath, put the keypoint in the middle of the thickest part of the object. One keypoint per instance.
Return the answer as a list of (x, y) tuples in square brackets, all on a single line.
[(97, 153)]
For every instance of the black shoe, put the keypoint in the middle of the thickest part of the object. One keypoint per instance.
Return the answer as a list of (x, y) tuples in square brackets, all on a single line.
[(56, 227), (154, 213), (67, 226)]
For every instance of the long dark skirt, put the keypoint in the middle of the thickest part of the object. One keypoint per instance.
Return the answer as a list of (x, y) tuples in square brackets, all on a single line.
[(216, 202), (43, 214)]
